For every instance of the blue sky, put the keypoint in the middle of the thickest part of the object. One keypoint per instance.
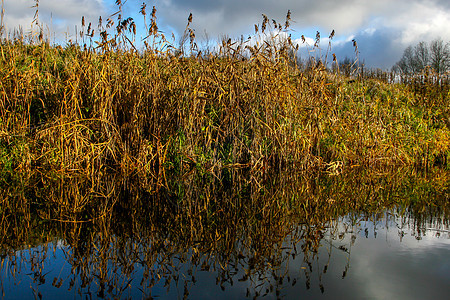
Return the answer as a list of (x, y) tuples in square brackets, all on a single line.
[(383, 28)]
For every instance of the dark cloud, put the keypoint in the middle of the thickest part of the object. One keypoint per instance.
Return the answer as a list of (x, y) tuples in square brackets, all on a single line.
[(444, 4), (376, 48), (382, 28), (237, 17)]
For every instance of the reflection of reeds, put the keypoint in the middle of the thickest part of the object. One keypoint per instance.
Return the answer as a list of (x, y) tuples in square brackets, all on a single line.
[(251, 223), (103, 104)]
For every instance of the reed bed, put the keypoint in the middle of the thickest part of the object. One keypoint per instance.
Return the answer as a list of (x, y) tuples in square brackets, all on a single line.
[(100, 105)]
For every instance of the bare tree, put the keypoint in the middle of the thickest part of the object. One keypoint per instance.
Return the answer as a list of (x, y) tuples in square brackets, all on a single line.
[(421, 56), (416, 59), (440, 56), (408, 63), (347, 66)]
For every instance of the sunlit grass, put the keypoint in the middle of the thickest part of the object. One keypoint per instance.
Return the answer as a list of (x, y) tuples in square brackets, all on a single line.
[(248, 103)]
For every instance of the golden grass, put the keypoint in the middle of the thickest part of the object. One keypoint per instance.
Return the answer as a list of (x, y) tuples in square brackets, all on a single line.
[(108, 106)]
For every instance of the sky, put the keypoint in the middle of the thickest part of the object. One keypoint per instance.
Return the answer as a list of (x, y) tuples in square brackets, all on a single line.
[(382, 28)]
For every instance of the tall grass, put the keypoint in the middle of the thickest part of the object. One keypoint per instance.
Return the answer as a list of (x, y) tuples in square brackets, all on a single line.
[(101, 104)]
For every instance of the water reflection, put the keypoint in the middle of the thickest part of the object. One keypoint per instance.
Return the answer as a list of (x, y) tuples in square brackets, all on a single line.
[(348, 236)]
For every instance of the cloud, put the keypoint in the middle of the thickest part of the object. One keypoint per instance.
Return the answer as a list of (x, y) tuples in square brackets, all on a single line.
[(383, 28), (421, 21), (376, 47), (60, 16), (234, 15)]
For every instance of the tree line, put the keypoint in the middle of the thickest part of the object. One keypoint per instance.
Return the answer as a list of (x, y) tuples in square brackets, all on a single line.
[(435, 55)]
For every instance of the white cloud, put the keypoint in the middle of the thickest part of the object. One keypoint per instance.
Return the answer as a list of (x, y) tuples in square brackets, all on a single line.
[(59, 16), (418, 21), (369, 31)]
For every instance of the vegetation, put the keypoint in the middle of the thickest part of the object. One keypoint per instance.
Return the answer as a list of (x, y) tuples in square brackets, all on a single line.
[(100, 105), (91, 132), (416, 59)]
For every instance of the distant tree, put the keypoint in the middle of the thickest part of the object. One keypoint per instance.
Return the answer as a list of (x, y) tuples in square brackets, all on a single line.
[(421, 56), (347, 66), (416, 59), (310, 63), (299, 61), (440, 56), (408, 63)]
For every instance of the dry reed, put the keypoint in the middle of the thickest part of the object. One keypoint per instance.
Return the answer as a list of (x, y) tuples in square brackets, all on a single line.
[(106, 106)]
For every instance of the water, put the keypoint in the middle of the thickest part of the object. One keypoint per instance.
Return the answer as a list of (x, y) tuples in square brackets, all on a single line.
[(320, 238)]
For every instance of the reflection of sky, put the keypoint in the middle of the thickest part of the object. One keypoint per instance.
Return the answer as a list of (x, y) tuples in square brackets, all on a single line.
[(406, 270), (382, 267), (26, 285), (385, 267)]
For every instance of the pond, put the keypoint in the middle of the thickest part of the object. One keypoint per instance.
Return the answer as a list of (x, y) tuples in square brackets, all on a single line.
[(312, 236)]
